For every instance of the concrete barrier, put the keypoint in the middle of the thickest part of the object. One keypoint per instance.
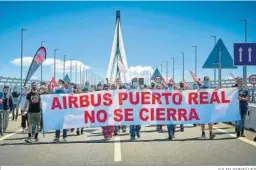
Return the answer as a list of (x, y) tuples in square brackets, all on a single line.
[(250, 121)]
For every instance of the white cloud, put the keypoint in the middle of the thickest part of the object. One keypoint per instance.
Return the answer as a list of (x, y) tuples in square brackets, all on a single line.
[(141, 72), (50, 62), (26, 61)]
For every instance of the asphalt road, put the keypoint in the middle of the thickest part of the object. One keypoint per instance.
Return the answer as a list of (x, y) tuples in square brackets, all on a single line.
[(152, 148)]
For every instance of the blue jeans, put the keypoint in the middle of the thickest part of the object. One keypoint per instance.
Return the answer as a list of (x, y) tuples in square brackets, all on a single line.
[(65, 133), (240, 124), (134, 130), (171, 130), (33, 128), (14, 108)]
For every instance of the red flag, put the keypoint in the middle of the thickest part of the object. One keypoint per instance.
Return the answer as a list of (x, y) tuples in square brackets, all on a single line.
[(53, 83), (196, 80), (232, 76), (186, 84)]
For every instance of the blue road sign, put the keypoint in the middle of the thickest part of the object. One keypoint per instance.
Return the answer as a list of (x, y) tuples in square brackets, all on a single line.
[(157, 77), (245, 54), (213, 59)]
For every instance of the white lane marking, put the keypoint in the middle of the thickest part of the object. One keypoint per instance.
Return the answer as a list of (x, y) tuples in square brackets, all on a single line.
[(241, 138), (9, 135), (117, 150)]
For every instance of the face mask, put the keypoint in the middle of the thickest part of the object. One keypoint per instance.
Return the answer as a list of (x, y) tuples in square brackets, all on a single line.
[(5, 91), (241, 86), (206, 83), (34, 88), (86, 86), (135, 84)]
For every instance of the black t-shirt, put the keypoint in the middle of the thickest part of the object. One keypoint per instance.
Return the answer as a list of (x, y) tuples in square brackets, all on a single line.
[(34, 102)]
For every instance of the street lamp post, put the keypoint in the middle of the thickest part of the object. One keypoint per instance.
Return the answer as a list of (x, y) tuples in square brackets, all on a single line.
[(76, 73), (195, 59), (166, 70), (183, 69), (172, 68), (42, 43), (64, 66), (71, 70), (55, 50), (245, 39), (21, 56), (80, 74), (86, 78), (214, 38)]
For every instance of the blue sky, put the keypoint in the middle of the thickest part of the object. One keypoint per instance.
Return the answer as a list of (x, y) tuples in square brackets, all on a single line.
[(152, 31)]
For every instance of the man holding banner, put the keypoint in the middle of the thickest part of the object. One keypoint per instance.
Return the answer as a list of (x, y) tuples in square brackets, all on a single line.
[(61, 90), (206, 85), (243, 103), (135, 129)]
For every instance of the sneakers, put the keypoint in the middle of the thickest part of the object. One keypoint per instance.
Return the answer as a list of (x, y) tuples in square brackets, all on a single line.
[(115, 134), (56, 140), (132, 139), (236, 130), (255, 139), (64, 139), (243, 135), (82, 131), (212, 135), (1, 133), (203, 135), (28, 140), (237, 134), (78, 132), (182, 129), (36, 139), (170, 138)]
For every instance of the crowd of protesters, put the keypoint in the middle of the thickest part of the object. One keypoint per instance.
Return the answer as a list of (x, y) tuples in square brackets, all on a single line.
[(29, 101)]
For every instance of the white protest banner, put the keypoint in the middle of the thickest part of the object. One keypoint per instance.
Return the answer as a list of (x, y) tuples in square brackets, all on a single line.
[(139, 107)]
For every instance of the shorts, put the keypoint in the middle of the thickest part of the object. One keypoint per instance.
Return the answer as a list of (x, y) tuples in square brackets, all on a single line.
[(34, 118)]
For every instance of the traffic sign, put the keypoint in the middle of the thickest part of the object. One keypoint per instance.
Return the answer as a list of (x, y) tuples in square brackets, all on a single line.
[(157, 77), (252, 79), (213, 59), (245, 54)]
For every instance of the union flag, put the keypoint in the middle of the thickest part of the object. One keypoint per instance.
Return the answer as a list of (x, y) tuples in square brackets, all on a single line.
[(53, 83)]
